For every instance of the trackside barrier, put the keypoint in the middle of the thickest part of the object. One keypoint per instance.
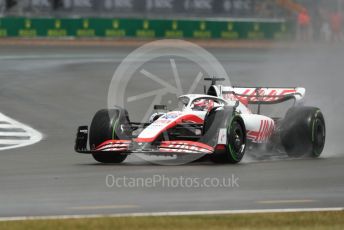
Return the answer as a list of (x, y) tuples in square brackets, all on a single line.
[(143, 28)]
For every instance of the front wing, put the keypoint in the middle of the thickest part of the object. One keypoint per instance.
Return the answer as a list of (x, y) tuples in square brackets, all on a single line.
[(175, 147)]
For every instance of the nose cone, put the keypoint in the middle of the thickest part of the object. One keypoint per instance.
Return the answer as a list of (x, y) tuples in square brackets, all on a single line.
[(143, 146), (151, 132)]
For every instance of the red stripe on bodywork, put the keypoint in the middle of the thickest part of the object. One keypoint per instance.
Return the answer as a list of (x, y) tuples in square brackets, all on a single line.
[(266, 129), (110, 143), (166, 144), (172, 150), (115, 149), (114, 142), (260, 130)]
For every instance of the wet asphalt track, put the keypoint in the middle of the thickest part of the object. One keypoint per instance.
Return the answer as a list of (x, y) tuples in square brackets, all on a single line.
[(56, 89)]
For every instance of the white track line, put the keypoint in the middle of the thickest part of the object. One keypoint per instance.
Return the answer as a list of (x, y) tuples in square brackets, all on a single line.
[(12, 142), (7, 126), (186, 213), (284, 201), (34, 136), (14, 134), (102, 207)]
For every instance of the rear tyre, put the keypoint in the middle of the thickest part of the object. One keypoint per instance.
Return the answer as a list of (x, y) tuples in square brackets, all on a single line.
[(303, 132), (106, 125)]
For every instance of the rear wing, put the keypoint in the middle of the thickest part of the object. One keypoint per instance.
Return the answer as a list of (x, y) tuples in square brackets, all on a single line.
[(263, 95)]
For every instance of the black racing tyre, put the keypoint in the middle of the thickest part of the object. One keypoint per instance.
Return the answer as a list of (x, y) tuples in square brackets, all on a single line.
[(236, 143), (106, 125), (303, 132)]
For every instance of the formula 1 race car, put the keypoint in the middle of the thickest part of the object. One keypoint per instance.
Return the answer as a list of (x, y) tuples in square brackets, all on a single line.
[(218, 123)]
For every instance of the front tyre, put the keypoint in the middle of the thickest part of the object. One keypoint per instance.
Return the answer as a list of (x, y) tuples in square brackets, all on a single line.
[(303, 132), (236, 143), (106, 125)]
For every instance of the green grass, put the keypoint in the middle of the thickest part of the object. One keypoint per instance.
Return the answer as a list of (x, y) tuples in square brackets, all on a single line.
[(306, 220)]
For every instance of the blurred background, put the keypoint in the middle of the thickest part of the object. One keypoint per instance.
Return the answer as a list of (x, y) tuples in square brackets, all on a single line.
[(167, 8), (308, 19)]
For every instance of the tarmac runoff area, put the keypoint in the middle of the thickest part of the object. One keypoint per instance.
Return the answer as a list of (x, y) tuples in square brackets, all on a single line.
[(55, 89)]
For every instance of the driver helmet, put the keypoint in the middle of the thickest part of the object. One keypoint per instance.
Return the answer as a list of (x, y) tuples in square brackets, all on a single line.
[(203, 104)]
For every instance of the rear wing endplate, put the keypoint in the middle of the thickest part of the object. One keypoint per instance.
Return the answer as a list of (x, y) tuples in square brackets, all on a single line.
[(264, 95)]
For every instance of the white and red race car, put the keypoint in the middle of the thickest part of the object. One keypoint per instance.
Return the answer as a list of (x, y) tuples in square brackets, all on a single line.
[(218, 124)]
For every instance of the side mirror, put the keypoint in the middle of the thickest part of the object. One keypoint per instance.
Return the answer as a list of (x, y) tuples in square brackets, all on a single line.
[(236, 105)]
